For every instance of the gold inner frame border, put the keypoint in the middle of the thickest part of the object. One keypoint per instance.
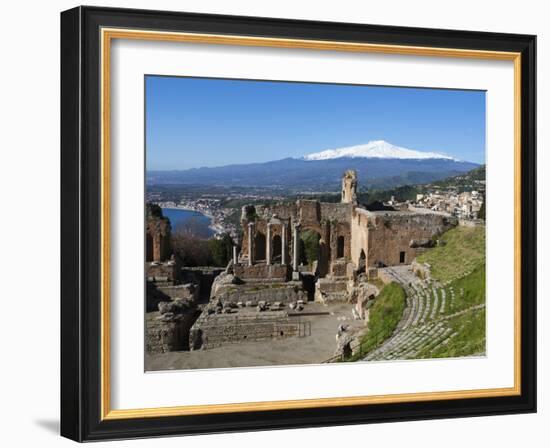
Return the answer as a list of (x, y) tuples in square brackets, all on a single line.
[(107, 35)]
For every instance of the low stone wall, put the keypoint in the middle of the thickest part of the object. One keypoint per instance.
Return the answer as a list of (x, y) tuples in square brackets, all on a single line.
[(188, 291), (339, 268), (268, 292), (217, 330), (261, 272), (164, 335), (362, 294), (166, 272), (471, 222), (372, 273), (157, 293), (327, 290)]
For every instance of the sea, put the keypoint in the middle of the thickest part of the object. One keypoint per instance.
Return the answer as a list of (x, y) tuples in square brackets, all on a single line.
[(189, 219)]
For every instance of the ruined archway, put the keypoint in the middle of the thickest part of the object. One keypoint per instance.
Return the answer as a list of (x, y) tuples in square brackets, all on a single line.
[(259, 246), (340, 242), (277, 249), (362, 262), (310, 247)]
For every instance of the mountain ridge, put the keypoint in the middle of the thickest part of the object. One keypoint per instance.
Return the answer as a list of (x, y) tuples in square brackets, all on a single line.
[(316, 174), (380, 149)]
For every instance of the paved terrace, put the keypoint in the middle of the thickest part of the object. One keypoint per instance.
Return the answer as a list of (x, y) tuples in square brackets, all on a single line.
[(313, 349)]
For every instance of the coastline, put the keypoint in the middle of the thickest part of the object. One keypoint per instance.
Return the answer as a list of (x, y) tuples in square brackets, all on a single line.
[(215, 227)]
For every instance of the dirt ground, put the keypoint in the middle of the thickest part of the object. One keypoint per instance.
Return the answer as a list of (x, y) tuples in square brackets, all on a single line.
[(313, 349)]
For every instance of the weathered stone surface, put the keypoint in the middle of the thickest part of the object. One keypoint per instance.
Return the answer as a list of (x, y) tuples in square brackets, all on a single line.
[(176, 306), (223, 279), (157, 235), (217, 330), (362, 294), (167, 332), (254, 292), (328, 290), (163, 272), (343, 345), (424, 242), (384, 237), (261, 272), (189, 291), (422, 270)]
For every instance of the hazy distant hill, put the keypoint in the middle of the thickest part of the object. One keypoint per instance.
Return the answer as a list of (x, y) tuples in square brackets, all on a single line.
[(378, 163), (466, 181), (317, 174)]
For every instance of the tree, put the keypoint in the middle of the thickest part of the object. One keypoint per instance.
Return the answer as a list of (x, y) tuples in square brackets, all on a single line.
[(309, 246), (191, 251), (153, 210), (221, 249), (192, 227)]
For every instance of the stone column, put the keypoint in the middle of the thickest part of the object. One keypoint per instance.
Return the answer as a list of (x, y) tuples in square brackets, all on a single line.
[(283, 244), (296, 247), (156, 248), (268, 245), (250, 239), (235, 258)]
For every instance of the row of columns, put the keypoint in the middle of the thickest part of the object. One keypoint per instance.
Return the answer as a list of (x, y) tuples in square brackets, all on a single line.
[(269, 245)]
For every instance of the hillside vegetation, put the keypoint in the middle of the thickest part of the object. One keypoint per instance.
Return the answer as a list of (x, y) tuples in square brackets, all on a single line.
[(443, 317), (384, 316), (462, 250), (460, 266)]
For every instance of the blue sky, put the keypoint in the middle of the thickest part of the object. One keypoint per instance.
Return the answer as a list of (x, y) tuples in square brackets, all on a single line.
[(194, 122)]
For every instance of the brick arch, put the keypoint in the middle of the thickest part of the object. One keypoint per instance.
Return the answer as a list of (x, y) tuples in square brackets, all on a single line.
[(277, 246), (259, 246), (340, 246)]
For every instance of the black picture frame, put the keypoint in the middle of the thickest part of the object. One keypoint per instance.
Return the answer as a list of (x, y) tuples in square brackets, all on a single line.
[(81, 224)]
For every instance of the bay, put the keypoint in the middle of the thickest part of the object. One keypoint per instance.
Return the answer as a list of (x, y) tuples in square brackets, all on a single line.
[(189, 221)]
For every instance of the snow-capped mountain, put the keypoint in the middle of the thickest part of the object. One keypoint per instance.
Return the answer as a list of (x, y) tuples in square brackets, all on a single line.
[(377, 149), (378, 164)]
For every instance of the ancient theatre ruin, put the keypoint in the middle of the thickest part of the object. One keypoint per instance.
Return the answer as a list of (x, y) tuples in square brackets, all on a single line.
[(293, 259)]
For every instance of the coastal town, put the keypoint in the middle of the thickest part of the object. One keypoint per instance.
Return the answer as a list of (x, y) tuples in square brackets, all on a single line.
[(209, 208), (465, 205), (462, 197)]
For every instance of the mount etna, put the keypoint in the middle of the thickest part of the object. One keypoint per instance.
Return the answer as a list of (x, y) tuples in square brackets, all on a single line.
[(378, 164)]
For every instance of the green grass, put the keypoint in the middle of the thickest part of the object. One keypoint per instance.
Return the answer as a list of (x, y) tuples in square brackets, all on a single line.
[(384, 316), (462, 252), (470, 339), (470, 326), (473, 286)]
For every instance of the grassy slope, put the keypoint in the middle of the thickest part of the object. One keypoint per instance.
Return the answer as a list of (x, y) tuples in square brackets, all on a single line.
[(461, 262), (463, 251), (384, 316), (470, 339)]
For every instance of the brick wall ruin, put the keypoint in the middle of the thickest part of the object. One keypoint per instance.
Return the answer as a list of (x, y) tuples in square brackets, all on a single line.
[(213, 330), (157, 235), (393, 238)]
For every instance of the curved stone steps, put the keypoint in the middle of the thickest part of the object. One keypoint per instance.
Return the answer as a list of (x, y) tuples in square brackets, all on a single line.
[(423, 326)]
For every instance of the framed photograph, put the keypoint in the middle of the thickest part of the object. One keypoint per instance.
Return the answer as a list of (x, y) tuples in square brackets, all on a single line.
[(274, 223)]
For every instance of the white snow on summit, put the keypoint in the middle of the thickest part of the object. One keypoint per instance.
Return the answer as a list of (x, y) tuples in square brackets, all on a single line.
[(376, 149)]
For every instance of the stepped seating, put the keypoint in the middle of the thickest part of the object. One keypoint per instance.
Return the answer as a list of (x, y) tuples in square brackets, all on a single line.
[(423, 327)]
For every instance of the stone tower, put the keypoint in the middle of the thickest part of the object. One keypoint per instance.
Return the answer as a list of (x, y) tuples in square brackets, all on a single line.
[(349, 187)]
